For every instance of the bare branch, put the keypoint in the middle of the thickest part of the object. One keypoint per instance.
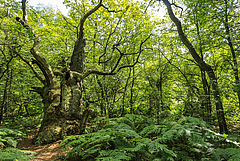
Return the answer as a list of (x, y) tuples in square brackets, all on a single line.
[(7, 66), (24, 10), (112, 10), (118, 61), (83, 19), (71, 24), (178, 7), (58, 73), (41, 62), (122, 54), (148, 6), (32, 67), (80, 76), (188, 59), (109, 36), (217, 134)]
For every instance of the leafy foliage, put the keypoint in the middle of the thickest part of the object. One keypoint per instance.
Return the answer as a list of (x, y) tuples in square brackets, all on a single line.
[(8, 141), (11, 154), (136, 137), (24, 124), (230, 154), (9, 137), (166, 78)]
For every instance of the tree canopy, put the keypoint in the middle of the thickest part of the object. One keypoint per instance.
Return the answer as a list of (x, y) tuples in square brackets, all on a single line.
[(108, 65)]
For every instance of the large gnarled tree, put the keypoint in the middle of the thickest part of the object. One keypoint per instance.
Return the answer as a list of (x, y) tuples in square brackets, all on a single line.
[(63, 111)]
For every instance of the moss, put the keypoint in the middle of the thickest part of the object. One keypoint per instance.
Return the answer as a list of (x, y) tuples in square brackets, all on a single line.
[(49, 134)]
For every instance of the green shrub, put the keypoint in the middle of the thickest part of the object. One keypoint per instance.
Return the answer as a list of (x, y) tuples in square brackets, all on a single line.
[(137, 138), (9, 137), (229, 154), (12, 154)]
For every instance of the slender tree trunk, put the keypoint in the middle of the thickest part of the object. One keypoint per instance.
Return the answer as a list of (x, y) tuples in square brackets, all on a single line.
[(204, 67), (131, 96), (160, 89), (4, 102), (124, 94), (102, 98), (206, 99), (230, 44)]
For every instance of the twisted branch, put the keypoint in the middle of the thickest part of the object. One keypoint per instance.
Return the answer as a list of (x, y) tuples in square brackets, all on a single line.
[(41, 62)]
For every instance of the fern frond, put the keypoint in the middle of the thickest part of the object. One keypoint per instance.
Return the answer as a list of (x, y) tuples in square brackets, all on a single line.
[(10, 136), (70, 138), (116, 155), (192, 121), (91, 152), (138, 148), (15, 154), (152, 130), (126, 121)]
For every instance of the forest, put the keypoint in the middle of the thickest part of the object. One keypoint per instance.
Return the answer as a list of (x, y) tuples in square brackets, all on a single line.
[(114, 81)]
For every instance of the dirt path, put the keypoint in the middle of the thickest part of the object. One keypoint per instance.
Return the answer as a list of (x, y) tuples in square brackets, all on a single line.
[(48, 152)]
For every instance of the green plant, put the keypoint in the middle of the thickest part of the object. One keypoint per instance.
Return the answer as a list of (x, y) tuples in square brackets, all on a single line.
[(230, 154), (9, 137), (25, 124), (136, 137), (13, 154)]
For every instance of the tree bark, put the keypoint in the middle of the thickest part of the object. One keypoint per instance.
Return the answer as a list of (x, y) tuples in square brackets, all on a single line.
[(4, 102), (132, 91), (204, 67), (62, 116), (206, 101), (63, 100), (230, 44)]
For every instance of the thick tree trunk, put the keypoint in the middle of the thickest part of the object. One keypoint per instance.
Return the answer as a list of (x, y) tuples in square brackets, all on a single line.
[(63, 102), (204, 67), (62, 113)]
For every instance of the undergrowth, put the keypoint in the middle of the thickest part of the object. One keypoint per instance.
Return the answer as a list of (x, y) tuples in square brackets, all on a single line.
[(138, 138), (9, 137), (14, 154), (11, 133), (25, 124)]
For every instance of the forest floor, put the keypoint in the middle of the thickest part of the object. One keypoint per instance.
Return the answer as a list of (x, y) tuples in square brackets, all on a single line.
[(47, 152)]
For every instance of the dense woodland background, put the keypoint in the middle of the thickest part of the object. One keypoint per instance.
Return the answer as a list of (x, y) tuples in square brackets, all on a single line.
[(150, 97)]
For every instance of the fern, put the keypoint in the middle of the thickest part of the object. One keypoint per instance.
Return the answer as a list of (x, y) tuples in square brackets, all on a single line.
[(116, 155), (9, 137), (230, 154), (138, 138), (11, 154)]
